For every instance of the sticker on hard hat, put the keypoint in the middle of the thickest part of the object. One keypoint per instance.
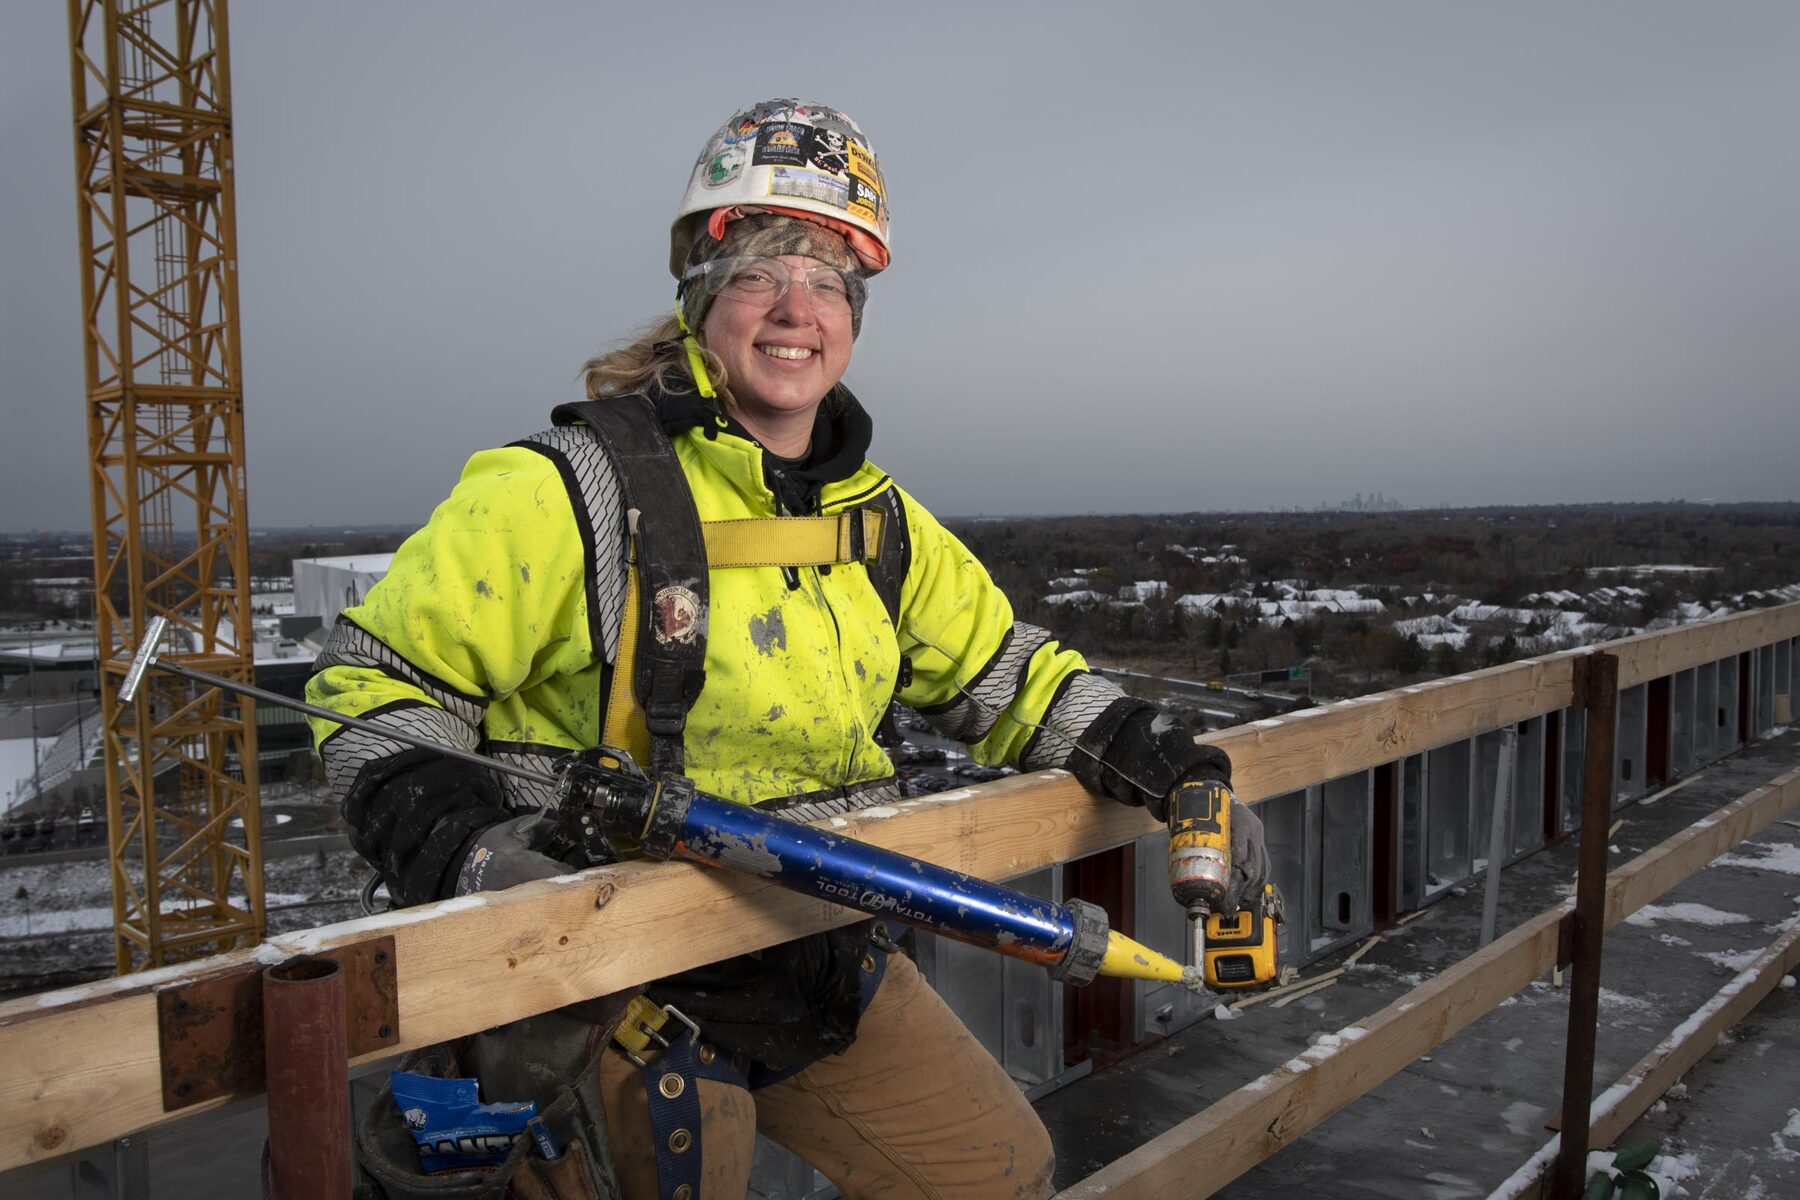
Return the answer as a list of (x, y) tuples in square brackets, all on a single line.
[(782, 143), (739, 129), (829, 151), (809, 185), (724, 167), (865, 184)]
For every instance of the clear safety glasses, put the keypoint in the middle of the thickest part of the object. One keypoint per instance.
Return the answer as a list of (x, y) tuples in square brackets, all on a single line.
[(762, 282)]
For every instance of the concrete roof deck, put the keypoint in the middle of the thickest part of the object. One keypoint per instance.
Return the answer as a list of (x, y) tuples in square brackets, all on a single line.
[(1459, 1121)]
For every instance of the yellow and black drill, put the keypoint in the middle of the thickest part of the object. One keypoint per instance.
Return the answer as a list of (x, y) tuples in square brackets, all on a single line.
[(1231, 951)]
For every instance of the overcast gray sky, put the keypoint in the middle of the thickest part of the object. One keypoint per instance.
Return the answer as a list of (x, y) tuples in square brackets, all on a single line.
[(1146, 257)]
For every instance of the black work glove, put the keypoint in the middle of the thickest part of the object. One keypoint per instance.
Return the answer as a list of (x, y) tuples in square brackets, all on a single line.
[(1142, 754), (506, 854), (414, 823), (1249, 859)]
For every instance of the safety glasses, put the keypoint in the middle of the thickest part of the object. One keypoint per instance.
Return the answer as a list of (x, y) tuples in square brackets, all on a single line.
[(762, 282)]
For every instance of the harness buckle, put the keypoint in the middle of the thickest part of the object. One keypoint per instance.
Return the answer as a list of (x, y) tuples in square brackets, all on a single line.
[(858, 536), (649, 1020)]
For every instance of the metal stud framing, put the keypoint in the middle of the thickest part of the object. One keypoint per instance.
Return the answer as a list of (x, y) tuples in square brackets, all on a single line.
[(166, 450)]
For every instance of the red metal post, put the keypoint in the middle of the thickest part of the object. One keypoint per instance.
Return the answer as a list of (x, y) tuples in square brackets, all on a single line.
[(1596, 691), (307, 1046)]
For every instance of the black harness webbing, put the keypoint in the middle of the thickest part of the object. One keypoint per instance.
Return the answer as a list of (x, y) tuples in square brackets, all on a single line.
[(667, 553)]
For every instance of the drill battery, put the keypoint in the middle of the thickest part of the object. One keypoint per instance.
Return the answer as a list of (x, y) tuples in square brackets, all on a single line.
[(1241, 946)]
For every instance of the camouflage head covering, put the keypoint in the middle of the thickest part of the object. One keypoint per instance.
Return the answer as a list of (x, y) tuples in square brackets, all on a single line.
[(765, 235)]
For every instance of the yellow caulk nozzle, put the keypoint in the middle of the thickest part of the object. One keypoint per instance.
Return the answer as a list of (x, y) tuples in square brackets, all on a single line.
[(1126, 959)]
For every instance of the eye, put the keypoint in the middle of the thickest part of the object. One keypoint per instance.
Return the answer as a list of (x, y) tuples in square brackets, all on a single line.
[(831, 286), (753, 279)]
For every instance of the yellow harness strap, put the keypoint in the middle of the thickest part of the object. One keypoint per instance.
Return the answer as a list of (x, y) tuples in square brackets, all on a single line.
[(850, 536), (625, 729), (793, 541)]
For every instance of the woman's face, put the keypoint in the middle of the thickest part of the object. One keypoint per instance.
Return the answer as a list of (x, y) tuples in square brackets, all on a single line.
[(780, 360)]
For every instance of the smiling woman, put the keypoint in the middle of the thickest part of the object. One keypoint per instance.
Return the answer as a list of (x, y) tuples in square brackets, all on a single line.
[(700, 566)]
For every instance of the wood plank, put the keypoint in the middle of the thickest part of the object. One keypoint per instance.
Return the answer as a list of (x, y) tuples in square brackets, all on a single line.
[(1210, 1149), (80, 1067), (1652, 655), (1283, 754), (1616, 1109)]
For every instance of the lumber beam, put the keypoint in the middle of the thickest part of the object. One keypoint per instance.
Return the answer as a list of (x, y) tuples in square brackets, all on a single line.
[(1284, 754), (80, 1067), (1210, 1149)]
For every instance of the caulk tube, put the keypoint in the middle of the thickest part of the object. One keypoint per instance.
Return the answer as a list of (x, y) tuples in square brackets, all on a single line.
[(1069, 940)]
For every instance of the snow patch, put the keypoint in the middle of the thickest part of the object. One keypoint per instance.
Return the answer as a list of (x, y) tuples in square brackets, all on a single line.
[(1733, 960), (89, 920), (1779, 856), (1523, 1118), (1780, 1140), (1691, 914), (1612, 999)]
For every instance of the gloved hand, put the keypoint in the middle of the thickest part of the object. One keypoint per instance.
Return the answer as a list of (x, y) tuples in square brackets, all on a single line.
[(504, 855), (1249, 859), (1142, 754)]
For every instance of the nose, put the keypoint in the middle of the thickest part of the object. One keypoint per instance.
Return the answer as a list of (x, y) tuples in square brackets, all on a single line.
[(795, 306)]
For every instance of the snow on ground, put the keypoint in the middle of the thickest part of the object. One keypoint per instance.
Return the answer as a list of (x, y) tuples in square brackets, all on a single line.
[(1787, 1142), (1612, 999), (1779, 856), (1692, 914), (17, 923), (1731, 960)]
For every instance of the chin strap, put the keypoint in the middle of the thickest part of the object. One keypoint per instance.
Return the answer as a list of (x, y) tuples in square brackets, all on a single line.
[(696, 360)]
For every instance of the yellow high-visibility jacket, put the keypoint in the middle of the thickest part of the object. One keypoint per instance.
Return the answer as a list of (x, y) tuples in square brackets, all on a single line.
[(491, 629)]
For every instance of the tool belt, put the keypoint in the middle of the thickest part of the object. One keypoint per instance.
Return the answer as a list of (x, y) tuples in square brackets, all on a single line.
[(512, 1062)]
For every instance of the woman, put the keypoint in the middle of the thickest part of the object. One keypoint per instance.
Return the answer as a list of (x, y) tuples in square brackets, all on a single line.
[(499, 627)]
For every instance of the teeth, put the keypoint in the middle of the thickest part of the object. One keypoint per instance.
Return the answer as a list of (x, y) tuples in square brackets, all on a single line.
[(794, 352)]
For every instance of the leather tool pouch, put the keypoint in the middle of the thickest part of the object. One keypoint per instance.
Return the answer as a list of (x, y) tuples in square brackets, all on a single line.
[(552, 1059)]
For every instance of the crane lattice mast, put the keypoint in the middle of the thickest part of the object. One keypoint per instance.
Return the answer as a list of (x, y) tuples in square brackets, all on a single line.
[(153, 159)]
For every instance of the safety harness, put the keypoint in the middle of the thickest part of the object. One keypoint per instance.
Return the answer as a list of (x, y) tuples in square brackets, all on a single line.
[(656, 677)]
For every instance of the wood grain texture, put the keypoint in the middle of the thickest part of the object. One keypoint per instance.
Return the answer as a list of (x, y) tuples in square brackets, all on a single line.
[(1213, 1147), (80, 1067)]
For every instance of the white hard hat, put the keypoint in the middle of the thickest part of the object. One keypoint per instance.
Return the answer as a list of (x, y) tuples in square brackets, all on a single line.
[(787, 156)]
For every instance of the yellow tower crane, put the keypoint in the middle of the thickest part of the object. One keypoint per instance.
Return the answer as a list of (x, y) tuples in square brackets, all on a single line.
[(152, 95)]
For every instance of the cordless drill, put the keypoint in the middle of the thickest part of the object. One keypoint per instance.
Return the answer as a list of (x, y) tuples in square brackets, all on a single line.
[(1231, 951)]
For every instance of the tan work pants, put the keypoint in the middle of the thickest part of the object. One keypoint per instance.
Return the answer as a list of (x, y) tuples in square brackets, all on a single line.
[(915, 1109)]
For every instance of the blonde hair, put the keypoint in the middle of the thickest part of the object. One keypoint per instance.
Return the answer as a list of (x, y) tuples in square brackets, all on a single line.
[(655, 358)]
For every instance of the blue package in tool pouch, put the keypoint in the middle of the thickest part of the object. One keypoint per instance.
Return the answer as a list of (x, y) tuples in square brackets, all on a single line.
[(453, 1129)]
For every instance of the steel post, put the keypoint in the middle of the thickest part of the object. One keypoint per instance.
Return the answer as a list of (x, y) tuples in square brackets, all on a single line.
[(307, 1049), (1596, 692), (1499, 844)]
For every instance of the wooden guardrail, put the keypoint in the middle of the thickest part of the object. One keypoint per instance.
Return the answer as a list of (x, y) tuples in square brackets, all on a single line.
[(81, 1066), (1210, 1149)]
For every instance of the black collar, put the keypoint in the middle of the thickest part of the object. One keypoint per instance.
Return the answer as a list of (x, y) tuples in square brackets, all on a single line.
[(842, 432)]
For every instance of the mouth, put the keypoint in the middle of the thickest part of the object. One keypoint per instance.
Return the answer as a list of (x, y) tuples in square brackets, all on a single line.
[(787, 353)]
